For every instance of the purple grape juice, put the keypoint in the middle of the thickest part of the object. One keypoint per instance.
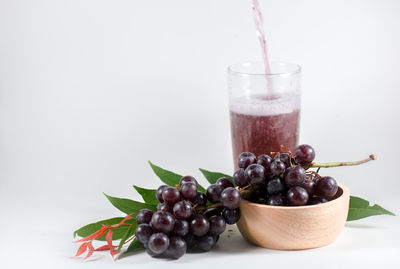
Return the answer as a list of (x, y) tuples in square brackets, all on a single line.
[(261, 124)]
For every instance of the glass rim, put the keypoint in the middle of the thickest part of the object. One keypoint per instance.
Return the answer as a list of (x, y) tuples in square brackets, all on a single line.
[(233, 70)]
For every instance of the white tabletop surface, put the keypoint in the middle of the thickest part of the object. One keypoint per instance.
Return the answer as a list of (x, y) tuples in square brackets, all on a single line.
[(91, 90), (370, 243)]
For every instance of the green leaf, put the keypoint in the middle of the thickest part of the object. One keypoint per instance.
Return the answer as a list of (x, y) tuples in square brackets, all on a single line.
[(148, 195), (170, 178), (134, 247), (212, 177), (129, 232), (360, 208), (117, 232), (201, 188), (129, 206)]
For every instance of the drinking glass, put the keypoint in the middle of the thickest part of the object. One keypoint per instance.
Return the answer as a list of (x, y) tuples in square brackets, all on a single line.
[(264, 108)]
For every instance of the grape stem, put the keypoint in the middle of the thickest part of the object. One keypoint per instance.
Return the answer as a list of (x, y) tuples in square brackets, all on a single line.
[(247, 191), (336, 164), (202, 209)]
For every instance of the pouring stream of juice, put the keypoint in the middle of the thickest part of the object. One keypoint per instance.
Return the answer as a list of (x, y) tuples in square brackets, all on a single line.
[(258, 19)]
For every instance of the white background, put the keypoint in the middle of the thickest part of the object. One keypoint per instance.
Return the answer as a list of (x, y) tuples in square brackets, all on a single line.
[(91, 90)]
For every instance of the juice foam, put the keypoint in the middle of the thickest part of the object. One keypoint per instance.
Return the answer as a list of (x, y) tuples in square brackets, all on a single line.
[(265, 105)]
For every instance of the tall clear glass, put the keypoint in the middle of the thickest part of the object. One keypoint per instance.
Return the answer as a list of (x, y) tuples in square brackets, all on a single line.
[(264, 108)]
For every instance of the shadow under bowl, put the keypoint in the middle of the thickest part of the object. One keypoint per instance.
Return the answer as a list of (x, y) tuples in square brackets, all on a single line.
[(294, 227)]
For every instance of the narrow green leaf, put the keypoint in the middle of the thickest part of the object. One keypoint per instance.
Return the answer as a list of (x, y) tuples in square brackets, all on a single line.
[(134, 247), (94, 227), (129, 206), (129, 232), (360, 208), (148, 195), (200, 188), (212, 177), (170, 178)]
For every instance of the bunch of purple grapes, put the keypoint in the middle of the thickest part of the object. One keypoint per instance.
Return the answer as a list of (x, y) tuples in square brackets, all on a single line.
[(283, 179), (187, 219)]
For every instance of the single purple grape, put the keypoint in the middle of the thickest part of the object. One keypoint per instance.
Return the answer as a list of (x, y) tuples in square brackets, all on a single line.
[(144, 216), (181, 227), (143, 232), (225, 182), (245, 159), (188, 190), (326, 187), (309, 186), (217, 225), (214, 192), (182, 210), (158, 243), (187, 179), (171, 196), (255, 174), (277, 168), (275, 185), (230, 198), (199, 225), (162, 221), (264, 160), (294, 176), (304, 154), (239, 177), (297, 196), (231, 216)]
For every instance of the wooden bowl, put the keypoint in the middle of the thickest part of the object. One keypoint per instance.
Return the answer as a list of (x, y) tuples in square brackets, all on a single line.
[(294, 227)]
